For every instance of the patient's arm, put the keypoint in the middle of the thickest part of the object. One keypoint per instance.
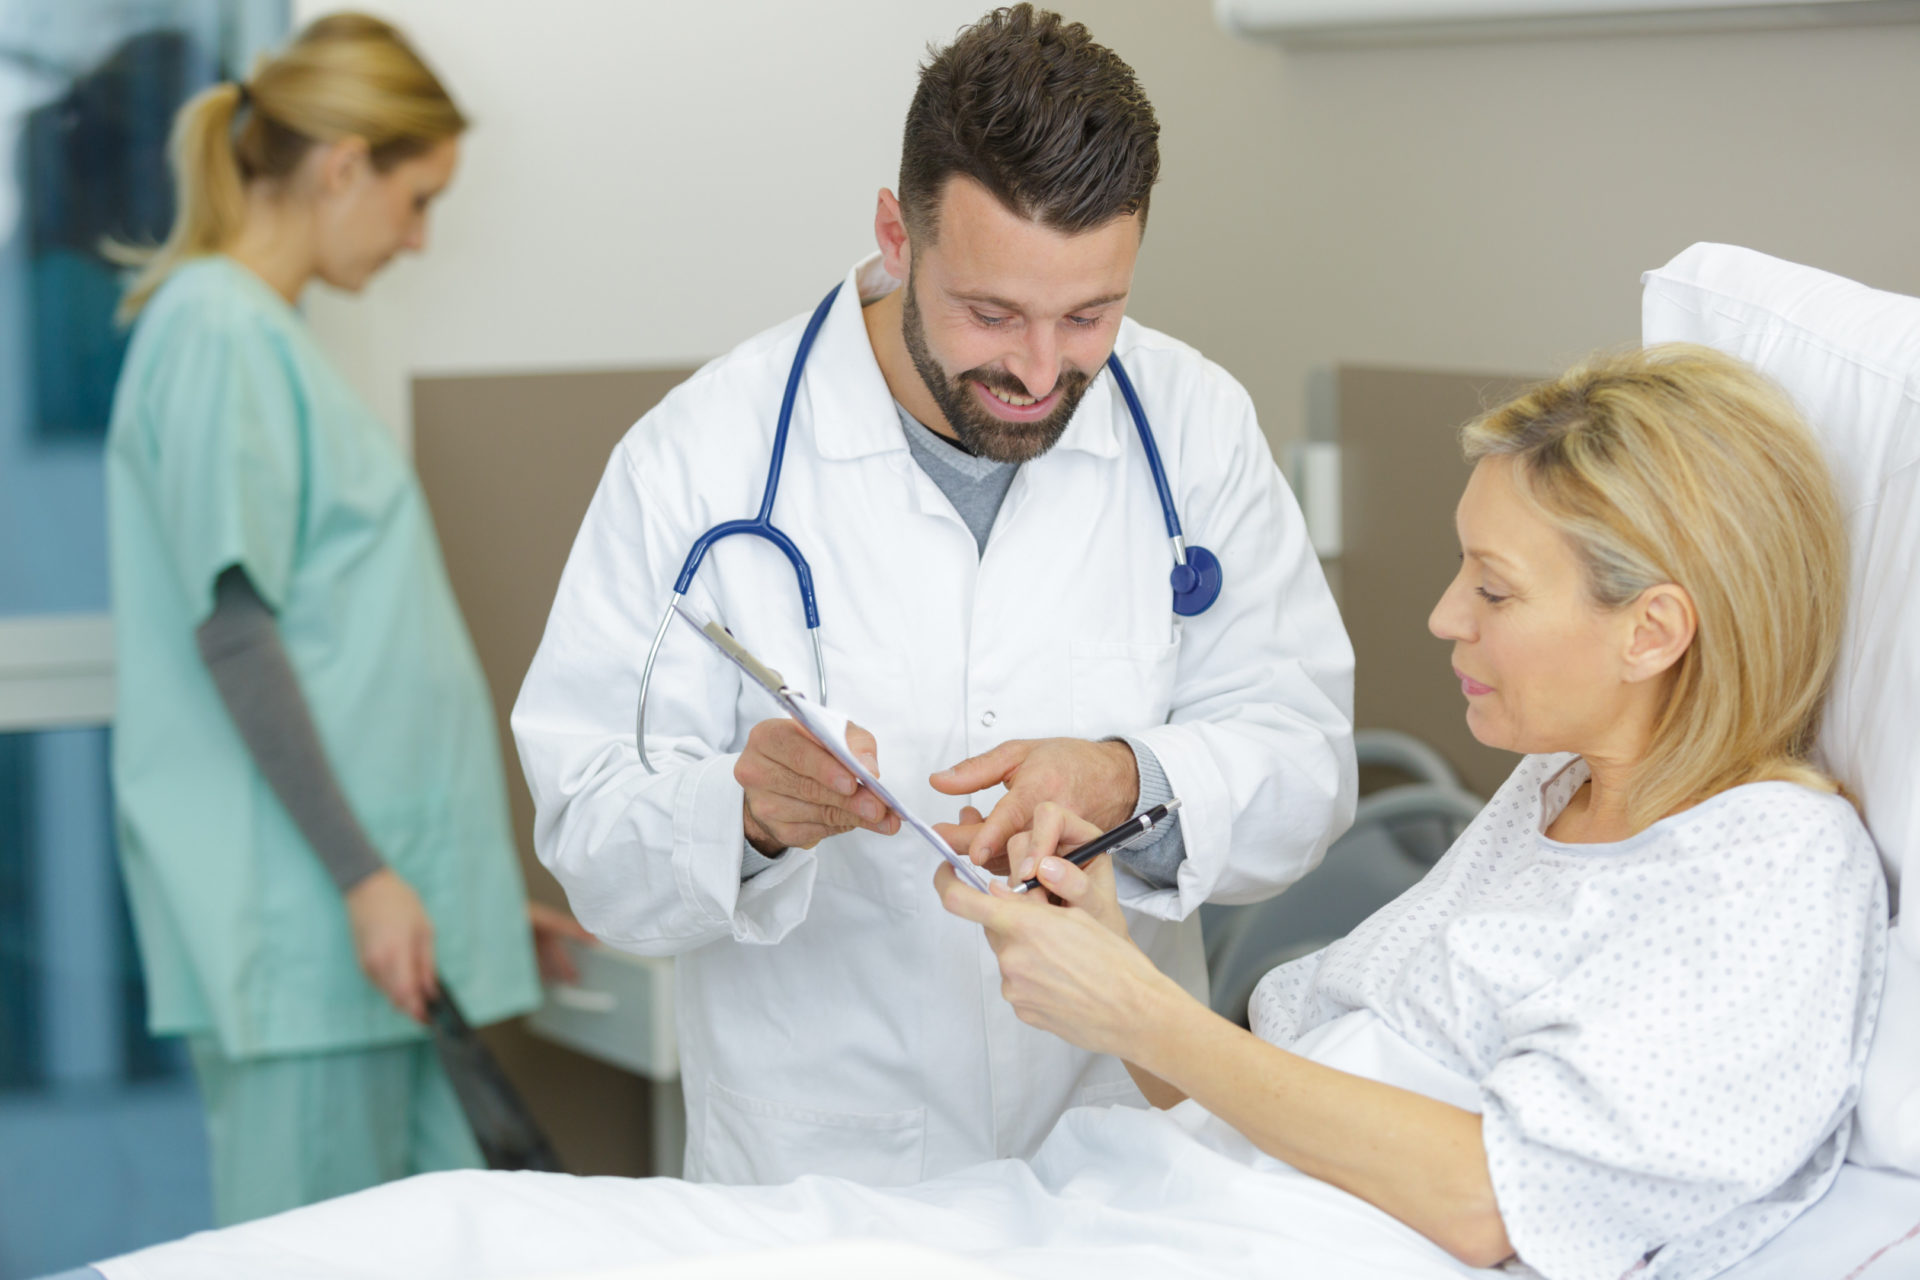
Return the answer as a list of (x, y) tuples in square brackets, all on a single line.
[(1068, 967), (1419, 1159)]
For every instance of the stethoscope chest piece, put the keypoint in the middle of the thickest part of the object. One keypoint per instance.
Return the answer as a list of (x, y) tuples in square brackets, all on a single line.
[(1196, 583)]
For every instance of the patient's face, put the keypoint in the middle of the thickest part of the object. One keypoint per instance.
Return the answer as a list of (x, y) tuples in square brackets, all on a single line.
[(1541, 666)]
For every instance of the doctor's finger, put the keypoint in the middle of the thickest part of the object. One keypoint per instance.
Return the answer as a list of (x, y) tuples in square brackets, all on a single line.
[(1009, 816), (864, 747), (766, 775), (861, 809), (958, 835), (800, 753), (977, 773), (799, 824)]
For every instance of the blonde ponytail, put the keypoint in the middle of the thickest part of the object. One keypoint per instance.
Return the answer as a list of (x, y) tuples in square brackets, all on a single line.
[(209, 197), (347, 75)]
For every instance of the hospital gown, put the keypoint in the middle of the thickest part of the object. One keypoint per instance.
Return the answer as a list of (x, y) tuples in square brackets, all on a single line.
[(1664, 1035)]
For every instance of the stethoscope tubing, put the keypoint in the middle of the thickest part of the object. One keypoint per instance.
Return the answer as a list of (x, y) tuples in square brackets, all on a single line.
[(1188, 598)]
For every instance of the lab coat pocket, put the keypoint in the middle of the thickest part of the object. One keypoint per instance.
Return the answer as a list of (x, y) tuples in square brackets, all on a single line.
[(1121, 687), (754, 1140)]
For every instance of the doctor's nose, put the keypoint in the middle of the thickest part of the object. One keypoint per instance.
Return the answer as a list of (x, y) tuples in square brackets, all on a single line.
[(1037, 364)]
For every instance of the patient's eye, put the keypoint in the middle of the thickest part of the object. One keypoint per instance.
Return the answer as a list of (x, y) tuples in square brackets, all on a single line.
[(1489, 597)]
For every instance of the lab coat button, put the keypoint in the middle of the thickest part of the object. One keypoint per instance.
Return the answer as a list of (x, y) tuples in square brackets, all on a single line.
[(986, 719)]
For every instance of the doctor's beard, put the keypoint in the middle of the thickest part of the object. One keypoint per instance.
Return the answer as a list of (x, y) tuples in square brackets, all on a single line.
[(982, 434)]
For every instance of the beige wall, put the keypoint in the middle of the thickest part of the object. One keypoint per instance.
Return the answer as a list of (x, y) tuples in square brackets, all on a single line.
[(651, 182), (1492, 206)]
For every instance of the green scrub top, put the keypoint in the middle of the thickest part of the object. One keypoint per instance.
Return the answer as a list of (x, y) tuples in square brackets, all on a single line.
[(234, 442)]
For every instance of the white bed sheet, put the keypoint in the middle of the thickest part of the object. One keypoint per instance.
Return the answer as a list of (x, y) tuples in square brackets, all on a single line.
[(1867, 1227), (1113, 1192)]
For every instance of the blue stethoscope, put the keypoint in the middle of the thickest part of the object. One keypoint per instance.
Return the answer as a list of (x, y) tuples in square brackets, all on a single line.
[(1196, 571)]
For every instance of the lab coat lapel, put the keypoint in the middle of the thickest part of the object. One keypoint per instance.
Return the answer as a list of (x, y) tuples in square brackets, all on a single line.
[(844, 399)]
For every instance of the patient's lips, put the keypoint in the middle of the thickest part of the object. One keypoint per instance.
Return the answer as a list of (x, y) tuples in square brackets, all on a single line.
[(1469, 686)]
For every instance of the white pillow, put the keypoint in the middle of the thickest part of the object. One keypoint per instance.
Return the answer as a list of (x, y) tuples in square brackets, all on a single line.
[(1850, 358)]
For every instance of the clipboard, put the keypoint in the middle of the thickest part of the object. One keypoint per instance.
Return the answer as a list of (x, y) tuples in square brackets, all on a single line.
[(829, 728)]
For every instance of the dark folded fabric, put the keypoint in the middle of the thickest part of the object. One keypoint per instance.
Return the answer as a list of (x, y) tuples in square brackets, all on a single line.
[(508, 1135)]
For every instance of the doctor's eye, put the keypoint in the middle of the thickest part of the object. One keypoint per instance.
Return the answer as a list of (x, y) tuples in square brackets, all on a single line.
[(990, 322), (1083, 322)]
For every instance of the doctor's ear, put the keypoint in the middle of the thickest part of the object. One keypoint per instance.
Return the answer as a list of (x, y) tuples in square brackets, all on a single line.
[(890, 233)]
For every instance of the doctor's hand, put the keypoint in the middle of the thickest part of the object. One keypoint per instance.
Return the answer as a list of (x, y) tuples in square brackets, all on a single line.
[(1062, 968), (393, 939), (1097, 780), (797, 794)]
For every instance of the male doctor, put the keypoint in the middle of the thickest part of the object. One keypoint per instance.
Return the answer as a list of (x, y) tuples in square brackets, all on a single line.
[(992, 568)]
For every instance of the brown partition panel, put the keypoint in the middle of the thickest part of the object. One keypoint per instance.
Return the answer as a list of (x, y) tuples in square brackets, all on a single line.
[(509, 463), (1400, 477)]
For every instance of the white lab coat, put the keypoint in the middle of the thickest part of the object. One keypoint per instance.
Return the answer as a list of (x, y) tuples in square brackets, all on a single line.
[(832, 1017)]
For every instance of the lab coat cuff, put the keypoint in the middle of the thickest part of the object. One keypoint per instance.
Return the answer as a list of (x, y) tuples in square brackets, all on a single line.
[(1206, 824), (707, 839)]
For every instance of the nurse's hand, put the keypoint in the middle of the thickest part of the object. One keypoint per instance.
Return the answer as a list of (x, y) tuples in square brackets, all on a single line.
[(393, 938), (552, 931), (1098, 780), (797, 794)]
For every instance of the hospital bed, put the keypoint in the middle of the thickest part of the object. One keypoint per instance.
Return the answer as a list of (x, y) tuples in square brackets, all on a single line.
[(1851, 358)]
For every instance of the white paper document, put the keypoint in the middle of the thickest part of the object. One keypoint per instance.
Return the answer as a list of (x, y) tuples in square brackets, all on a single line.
[(830, 728)]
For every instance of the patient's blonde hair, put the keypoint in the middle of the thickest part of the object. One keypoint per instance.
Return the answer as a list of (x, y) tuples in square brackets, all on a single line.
[(346, 75), (1679, 464)]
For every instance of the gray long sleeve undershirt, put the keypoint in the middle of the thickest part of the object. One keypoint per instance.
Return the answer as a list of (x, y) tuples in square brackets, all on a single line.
[(241, 645), (977, 487)]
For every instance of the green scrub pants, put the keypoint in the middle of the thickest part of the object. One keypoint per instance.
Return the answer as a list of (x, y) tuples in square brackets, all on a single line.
[(292, 1129)]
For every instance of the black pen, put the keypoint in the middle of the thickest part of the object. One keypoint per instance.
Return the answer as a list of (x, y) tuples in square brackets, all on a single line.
[(1138, 825)]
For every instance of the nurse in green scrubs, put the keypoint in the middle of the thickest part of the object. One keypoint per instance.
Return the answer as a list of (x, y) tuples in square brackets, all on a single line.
[(313, 822)]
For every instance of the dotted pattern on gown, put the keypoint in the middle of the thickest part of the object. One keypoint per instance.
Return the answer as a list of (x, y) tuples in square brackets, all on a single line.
[(1668, 1031)]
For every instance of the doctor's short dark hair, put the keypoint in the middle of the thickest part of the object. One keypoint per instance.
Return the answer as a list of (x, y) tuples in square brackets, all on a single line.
[(1027, 105)]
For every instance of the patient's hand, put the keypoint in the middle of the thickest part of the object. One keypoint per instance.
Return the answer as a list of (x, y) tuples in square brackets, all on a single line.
[(1066, 970), (1038, 851)]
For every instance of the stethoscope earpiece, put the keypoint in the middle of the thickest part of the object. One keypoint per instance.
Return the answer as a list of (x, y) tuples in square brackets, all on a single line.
[(1196, 584)]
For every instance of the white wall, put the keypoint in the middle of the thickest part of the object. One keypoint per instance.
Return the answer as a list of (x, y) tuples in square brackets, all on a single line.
[(647, 183), (650, 182)]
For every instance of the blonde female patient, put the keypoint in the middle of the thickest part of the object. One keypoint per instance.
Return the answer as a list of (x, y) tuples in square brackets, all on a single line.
[(1617, 1030)]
